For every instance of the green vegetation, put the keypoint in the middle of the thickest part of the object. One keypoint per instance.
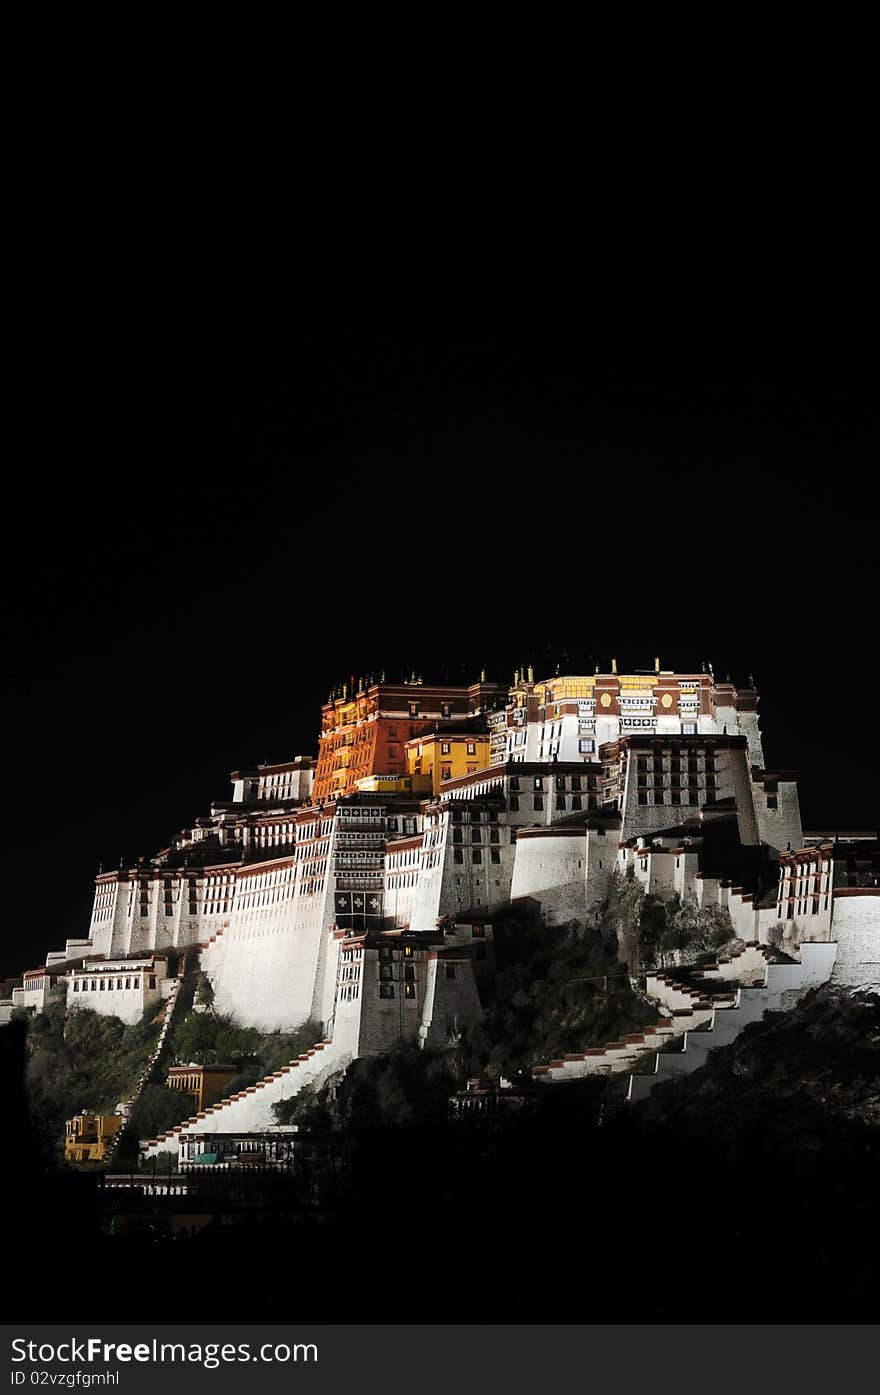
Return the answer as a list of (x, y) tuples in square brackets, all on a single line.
[(405, 1088), (210, 1038), (558, 989), (156, 1109), (88, 1061)]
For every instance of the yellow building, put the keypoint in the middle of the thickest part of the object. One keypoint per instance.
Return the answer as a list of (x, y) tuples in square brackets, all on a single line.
[(87, 1136), (445, 755), (202, 1083)]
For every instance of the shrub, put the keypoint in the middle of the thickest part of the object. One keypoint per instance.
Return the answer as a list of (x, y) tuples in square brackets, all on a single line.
[(157, 1108)]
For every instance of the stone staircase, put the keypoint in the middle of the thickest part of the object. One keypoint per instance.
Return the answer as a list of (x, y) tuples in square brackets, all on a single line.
[(695, 1020), (146, 1073), (250, 1110), (782, 985)]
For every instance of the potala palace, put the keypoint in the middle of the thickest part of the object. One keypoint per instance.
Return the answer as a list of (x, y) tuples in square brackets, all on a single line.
[(358, 889)]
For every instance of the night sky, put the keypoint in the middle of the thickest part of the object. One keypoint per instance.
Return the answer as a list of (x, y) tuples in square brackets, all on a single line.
[(212, 532)]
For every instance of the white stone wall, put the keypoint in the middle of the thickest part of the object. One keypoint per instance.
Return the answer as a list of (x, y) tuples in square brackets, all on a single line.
[(568, 871), (427, 897), (265, 975), (551, 867), (748, 727), (779, 827), (741, 909), (856, 928), (407, 862), (451, 1000), (326, 974), (687, 865)]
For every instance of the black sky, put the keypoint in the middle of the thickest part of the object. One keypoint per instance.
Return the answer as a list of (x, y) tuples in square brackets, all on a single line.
[(209, 526)]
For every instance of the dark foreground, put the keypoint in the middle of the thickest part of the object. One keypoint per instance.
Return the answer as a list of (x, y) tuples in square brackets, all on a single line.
[(748, 1192)]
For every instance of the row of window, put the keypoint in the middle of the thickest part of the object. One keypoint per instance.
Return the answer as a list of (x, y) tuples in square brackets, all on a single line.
[(476, 855), (104, 984)]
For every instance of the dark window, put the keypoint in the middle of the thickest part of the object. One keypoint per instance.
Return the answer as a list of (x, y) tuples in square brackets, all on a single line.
[(450, 971), (457, 836), (476, 856), (458, 855), (494, 835), (772, 801), (575, 801), (643, 797), (495, 855), (456, 816), (539, 801), (514, 782), (475, 835), (386, 990), (409, 973), (386, 972), (514, 803)]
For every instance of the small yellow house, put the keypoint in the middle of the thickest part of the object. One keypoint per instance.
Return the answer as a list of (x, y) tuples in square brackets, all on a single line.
[(445, 755), (202, 1083), (87, 1136)]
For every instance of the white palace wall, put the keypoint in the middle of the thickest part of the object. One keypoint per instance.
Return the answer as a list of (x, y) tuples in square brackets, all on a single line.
[(856, 928), (265, 973)]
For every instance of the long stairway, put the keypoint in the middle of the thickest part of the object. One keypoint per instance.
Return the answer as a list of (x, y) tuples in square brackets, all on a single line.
[(695, 1021), (147, 1072), (772, 990), (250, 1110)]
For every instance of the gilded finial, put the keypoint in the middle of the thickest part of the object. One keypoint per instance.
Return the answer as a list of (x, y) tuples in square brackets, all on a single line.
[(613, 665), (482, 675), (531, 674), (656, 665)]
